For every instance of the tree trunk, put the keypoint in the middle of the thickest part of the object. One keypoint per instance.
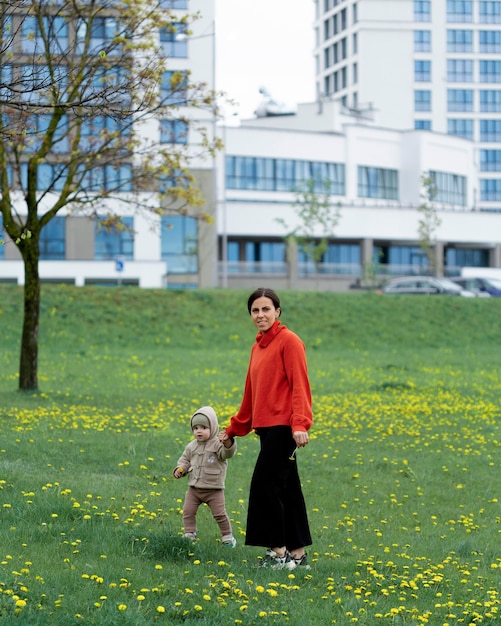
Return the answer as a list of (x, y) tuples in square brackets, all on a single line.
[(28, 368)]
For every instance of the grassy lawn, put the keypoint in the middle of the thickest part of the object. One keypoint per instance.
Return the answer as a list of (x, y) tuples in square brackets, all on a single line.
[(401, 478)]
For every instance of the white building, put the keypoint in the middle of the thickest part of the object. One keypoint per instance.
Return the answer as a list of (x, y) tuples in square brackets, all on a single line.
[(363, 134), (425, 64)]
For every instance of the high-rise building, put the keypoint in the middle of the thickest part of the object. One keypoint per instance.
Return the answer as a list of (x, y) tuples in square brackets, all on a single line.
[(419, 64)]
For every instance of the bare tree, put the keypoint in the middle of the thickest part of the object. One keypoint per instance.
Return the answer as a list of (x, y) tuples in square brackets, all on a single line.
[(317, 220), (83, 85), (429, 221)]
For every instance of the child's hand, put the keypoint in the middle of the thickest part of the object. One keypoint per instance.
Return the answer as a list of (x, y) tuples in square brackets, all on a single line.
[(178, 472)]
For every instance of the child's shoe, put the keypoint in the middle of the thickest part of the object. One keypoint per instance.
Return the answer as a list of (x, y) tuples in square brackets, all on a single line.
[(190, 536), (229, 541)]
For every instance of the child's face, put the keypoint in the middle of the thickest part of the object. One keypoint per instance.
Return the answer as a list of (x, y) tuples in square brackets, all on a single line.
[(201, 433)]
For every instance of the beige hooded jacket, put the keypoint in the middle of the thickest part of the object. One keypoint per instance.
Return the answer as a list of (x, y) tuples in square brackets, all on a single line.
[(205, 462)]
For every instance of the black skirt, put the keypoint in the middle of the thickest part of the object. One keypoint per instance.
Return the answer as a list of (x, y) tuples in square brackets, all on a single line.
[(277, 515)]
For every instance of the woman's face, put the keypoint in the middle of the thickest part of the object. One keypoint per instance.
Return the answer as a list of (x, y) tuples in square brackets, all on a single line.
[(264, 313)]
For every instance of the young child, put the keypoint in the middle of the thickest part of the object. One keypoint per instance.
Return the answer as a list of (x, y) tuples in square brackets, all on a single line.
[(204, 461)]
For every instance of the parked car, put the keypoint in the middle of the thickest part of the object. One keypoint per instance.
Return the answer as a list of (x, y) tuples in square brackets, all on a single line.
[(425, 285), (480, 286)]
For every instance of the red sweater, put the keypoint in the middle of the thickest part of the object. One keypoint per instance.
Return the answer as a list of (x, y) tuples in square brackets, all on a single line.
[(277, 390)]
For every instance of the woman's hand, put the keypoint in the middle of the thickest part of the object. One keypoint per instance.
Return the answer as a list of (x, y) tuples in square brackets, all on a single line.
[(301, 438)]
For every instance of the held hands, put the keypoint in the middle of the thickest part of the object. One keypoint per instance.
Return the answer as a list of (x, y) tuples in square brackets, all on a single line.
[(178, 472), (223, 436), (301, 438)]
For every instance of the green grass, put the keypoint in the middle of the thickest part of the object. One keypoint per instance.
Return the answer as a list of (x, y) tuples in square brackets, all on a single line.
[(401, 476)]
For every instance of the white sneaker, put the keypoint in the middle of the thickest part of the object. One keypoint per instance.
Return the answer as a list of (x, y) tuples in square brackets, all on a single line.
[(229, 541), (190, 536)]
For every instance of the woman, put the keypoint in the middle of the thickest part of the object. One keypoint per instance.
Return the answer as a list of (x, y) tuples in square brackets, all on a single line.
[(277, 405)]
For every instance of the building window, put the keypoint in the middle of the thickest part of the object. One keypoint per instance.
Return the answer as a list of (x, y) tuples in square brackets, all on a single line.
[(2, 236), (459, 41), (339, 258), (422, 41), (490, 131), (490, 71), (173, 4), (179, 242), (53, 239), (117, 178), (489, 12), (375, 182), (459, 71), (459, 11), (490, 189), (490, 160), (173, 40), (255, 173), (422, 124), (422, 100), (490, 41), (36, 128), (460, 128), (460, 100), (173, 131), (466, 257), (113, 241), (490, 100), (450, 188), (403, 260), (422, 10), (102, 31), (422, 71), (173, 88), (355, 43), (55, 29)]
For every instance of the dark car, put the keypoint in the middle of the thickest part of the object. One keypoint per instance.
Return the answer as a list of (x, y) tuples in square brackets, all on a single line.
[(480, 286), (425, 285)]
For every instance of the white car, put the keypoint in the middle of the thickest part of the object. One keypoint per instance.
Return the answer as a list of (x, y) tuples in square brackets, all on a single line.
[(428, 285)]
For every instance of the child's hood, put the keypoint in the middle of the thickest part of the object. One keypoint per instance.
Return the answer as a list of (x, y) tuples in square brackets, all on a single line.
[(210, 414)]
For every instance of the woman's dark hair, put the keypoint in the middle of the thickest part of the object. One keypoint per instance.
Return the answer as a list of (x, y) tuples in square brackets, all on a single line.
[(264, 292)]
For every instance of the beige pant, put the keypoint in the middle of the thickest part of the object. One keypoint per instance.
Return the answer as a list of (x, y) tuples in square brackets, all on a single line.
[(214, 498)]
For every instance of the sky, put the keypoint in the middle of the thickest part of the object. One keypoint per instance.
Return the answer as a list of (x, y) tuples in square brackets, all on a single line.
[(265, 43)]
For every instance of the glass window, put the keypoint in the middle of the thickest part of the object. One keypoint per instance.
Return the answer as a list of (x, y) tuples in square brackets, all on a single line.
[(41, 85), (173, 88), (174, 4), (401, 259), (422, 71), (422, 100), (490, 130), (459, 71), (2, 236), (489, 41), (490, 160), (422, 10), (460, 128), (466, 257), (459, 40), (490, 100), (489, 11), (460, 100), (113, 241), (374, 182), (422, 41), (490, 71), (53, 239), (490, 189), (422, 124), (459, 11), (174, 41), (264, 257), (450, 188), (54, 30), (173, 131), (102, 31), (282, 174), (180, 243)]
